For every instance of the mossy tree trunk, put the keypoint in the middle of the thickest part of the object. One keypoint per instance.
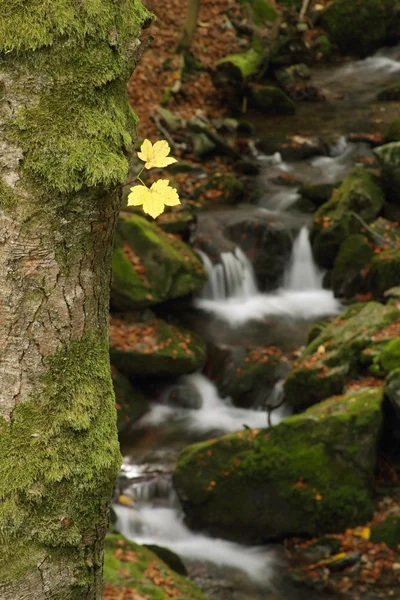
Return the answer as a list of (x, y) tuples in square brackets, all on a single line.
[(65, 129)]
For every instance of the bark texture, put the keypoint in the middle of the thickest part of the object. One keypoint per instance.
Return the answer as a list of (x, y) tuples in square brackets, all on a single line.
[(65, 128)]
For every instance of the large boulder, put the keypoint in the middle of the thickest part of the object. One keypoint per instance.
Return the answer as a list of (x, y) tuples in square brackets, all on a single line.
[(354, 255), (133, 571), (359, 28), (384, 273), (309, 475), (153, 347), (335, 220), (151, 266), (351, 344)]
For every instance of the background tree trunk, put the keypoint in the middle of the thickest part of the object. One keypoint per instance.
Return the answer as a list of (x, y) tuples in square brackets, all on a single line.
[(65, 128), (189, 28)]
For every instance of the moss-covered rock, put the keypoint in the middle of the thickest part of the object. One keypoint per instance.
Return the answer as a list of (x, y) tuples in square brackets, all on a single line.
[(170, 558), (180, 221), (130, 403), (334, 221), (309, 475), (387, 532), (154, 347), (318, 193), (392, 133), (151, 266), (221, 188), (389, 158), (348, 346), (384, 273), (239, 66), (354, 254), (358, 27), (133, 569), (271, 100)]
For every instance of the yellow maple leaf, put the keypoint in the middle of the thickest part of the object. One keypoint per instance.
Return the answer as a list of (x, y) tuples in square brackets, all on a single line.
[(157, 155), (154, 200)]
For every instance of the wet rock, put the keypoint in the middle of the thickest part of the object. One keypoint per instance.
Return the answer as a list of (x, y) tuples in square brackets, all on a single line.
[(185, 396), (390, 94), (202, 144), (152, 347), (309, 475), (387, 532), (356, 28), (182, 222), (247, 375), (355, 341), (135, 571), (384, 272), (318, 194), (334, 221), (246, 167), (354, 255), (171, 121), (291, 147), (151, 266), (392, 390), (389, 158), (221, 188), (170, 558), (270, 100), (130, 402)]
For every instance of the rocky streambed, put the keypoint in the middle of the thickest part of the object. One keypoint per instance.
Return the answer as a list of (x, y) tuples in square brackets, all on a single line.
[(256, 362)]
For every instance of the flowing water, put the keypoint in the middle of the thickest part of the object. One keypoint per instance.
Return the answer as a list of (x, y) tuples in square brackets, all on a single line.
[(231, 301)]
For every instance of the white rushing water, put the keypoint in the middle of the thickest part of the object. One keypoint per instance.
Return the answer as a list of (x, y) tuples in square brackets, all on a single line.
[(233, 276), (164, 526), (301, 297), (215, 413)]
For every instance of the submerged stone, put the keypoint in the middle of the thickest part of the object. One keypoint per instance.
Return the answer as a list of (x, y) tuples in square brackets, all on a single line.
[(310, 475)]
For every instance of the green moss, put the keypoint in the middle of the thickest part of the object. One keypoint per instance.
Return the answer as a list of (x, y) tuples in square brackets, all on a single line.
[(354, 254), (261, 11), (309, 475), (131, 404), (356, 27), (167, 351), (128, 565), (76, 135), (334, 220), (392, 133), (271, 100), (388, 532), (384, 273), (343, 349), (8, 198), (389, 358), (168, 267), (245, 65), (60, 460)]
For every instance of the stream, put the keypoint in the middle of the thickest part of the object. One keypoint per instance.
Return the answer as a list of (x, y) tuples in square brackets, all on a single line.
[(232, 309)]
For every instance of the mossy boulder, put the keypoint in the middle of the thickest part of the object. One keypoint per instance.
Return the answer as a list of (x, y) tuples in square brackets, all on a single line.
[(153, 347), (318, 193), (348, 346), (389, 158), (170, 558), (309, 475), (221, 188), (151, 266), (239, 66), (181, 222), (358, 27), (270, 100), (130, 402), (387, 532), (133, 571), (354, 255), (334, 221), (392, 390), (384, 273)]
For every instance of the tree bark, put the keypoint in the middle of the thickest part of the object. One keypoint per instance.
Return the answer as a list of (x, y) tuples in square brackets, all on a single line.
[(65, 129), (189, 28)]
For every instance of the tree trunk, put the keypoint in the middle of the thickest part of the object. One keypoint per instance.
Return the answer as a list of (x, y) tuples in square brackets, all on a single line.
[(65, 128), (189, 28)]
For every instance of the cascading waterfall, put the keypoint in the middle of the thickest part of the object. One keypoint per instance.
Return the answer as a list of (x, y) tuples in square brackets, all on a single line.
[(233, 277), (302, 274)]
